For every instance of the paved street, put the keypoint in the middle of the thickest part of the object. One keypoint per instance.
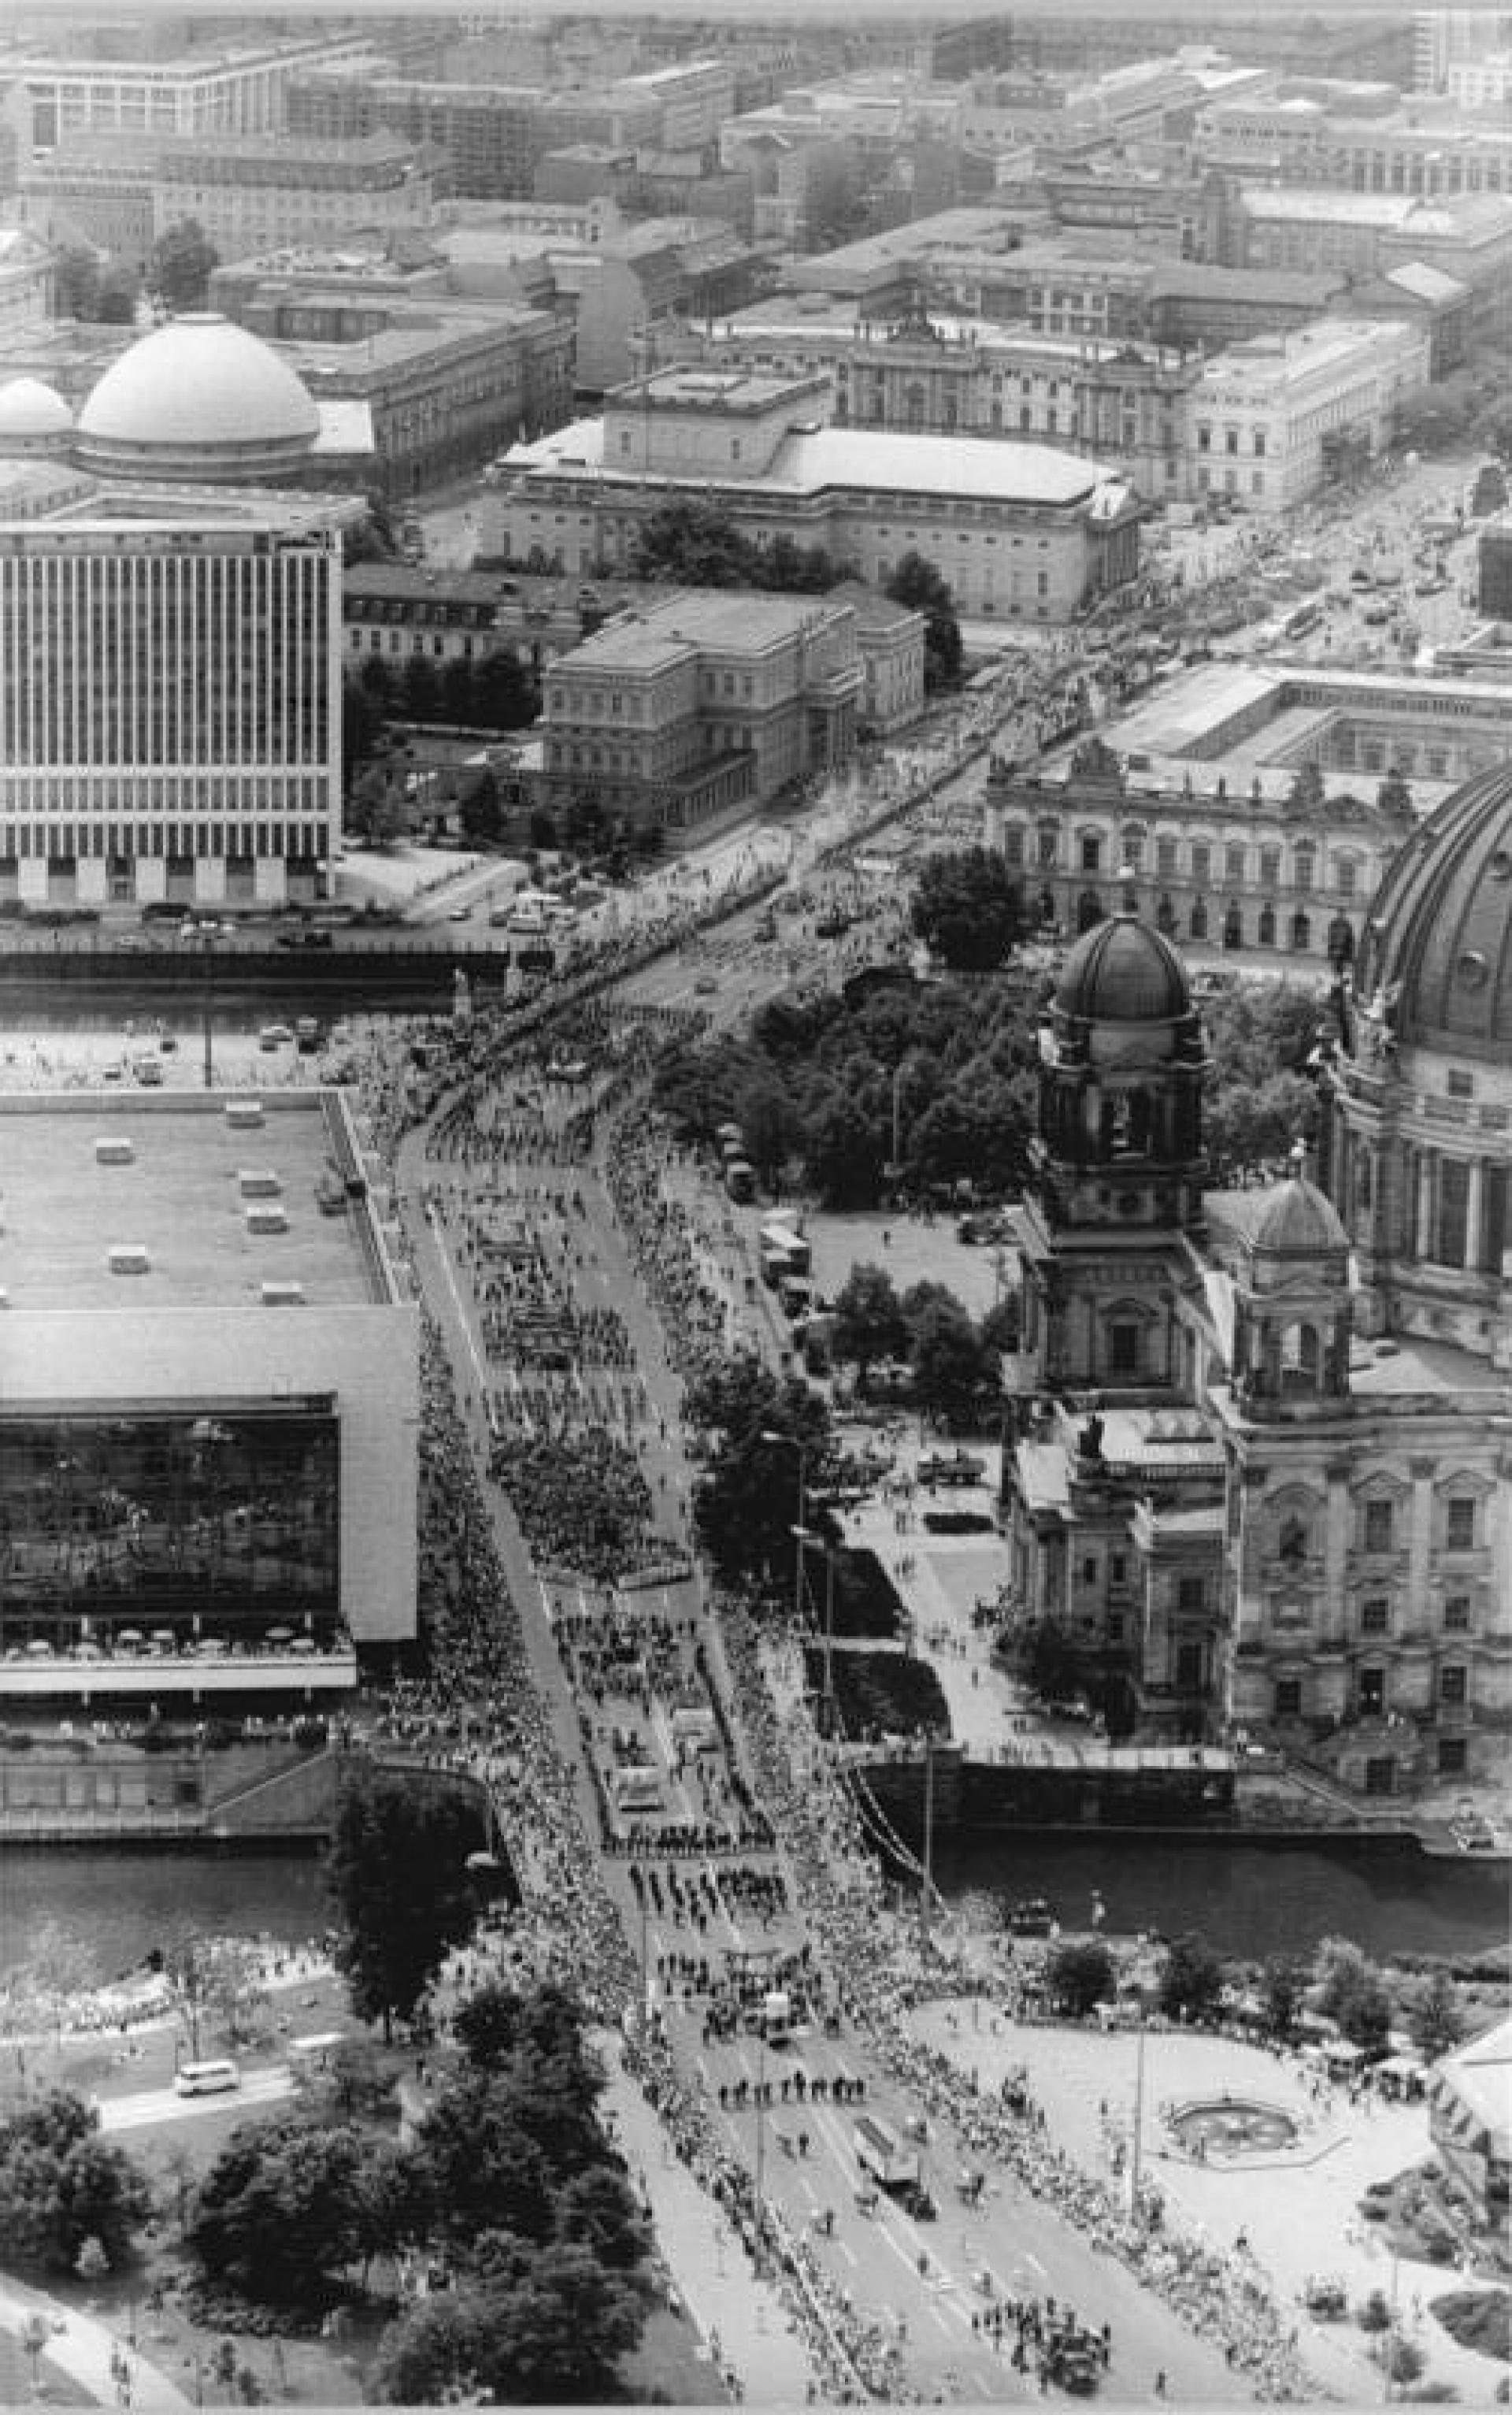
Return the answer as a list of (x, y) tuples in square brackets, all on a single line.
[(919, 2283)]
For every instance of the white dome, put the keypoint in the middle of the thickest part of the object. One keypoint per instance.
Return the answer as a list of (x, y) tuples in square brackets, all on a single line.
[(200, 381), (29, 408)]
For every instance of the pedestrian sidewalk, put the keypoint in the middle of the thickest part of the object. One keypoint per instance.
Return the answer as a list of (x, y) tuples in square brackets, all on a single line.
[(90, 2353), (709, 2264)]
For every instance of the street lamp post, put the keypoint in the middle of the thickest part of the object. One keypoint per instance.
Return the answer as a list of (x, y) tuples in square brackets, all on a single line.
[(761, 2149), (790, 1442), (806, 1536), (207, 946)]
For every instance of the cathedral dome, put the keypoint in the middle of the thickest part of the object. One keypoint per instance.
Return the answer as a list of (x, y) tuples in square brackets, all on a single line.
[(1124, 972), (1298, 1220), (1437, 951), (31, 412), (199, 398)]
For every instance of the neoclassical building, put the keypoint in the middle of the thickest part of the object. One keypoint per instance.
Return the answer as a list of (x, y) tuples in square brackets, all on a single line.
[(1259, 1484), (1215, 863)]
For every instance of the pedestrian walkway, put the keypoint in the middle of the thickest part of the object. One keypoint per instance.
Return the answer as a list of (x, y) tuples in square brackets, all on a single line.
[(731, 2307), (95, 2358)]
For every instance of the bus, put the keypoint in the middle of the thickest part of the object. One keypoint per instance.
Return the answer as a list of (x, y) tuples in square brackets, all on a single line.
[(206, 2078)]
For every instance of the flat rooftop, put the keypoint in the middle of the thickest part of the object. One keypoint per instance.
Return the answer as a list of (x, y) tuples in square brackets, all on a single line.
[(180, 1200)]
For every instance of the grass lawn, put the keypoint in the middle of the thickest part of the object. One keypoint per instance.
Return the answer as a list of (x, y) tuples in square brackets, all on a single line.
[(889, 1691), (52, 2384), (1477, 2319)]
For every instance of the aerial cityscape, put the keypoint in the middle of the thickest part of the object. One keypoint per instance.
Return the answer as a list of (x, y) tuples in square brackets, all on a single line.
[(756, 1206)]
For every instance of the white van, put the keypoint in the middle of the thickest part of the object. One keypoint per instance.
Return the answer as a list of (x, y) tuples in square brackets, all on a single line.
[(206, 2078)]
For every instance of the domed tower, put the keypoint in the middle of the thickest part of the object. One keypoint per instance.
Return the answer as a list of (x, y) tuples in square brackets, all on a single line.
[(1292, 1306), (1122, 1061), (1419, 1138), (1117, 1167)]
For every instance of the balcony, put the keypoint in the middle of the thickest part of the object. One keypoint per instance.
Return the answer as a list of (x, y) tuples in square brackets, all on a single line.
[(280, 1663)]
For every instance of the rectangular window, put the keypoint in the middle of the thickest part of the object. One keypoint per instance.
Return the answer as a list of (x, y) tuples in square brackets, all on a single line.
[(1259, 443), (1380, 1524), (1013, 845), (1454, 1684), (1117, 1567), (1192, 1594), (1234, 865), (1270, 868), (1089, 1571), (1375, 1617), (1453, 1756), (1459, 1525), (1460, 1086), (1165, 858), (1202, 863), (1288, 1698), (1456, 1615), (1454, 1211), (1091, 854)]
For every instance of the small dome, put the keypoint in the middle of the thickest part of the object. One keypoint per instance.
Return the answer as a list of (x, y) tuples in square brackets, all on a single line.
[(200, 384), (1299, 1220), (1124, 972), (1438, 943), (28, 409)]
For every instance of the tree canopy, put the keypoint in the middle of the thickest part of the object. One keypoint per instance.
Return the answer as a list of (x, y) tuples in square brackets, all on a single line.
[(692, 544), (1079, 1975), (61, 2184), (968, 907), (745, 1503), (1192, 1979), (963, 1057), (923, 587), (1351, 1992), (180, 263), (277, 2214), (398, 1880), (869, 1322)]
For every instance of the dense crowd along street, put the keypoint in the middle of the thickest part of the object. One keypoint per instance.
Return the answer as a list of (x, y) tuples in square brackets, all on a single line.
[(754, 1868)]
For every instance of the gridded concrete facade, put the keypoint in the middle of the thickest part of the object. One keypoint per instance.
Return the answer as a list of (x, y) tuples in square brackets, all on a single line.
[(167, 686)]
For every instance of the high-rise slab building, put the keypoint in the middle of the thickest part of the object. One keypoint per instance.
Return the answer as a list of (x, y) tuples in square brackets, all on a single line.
[(168, 677)]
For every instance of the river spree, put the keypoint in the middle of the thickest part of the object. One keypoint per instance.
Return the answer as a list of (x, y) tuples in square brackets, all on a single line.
[(122, 1903), (1247, 1899)]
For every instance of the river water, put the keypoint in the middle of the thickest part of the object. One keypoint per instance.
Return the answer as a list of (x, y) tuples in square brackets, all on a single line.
[(121, 1903), (1248, 1900)]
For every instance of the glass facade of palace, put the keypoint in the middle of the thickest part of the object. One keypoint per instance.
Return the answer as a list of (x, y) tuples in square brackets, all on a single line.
[(168, 1522)]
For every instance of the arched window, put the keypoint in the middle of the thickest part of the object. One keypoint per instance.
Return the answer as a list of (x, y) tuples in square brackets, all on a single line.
[(1199, 920), (1165, 917), (1088, 910), (1233, 928), (1267, 926), (1047, 907), (1300, 1358), (1301, 933)]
